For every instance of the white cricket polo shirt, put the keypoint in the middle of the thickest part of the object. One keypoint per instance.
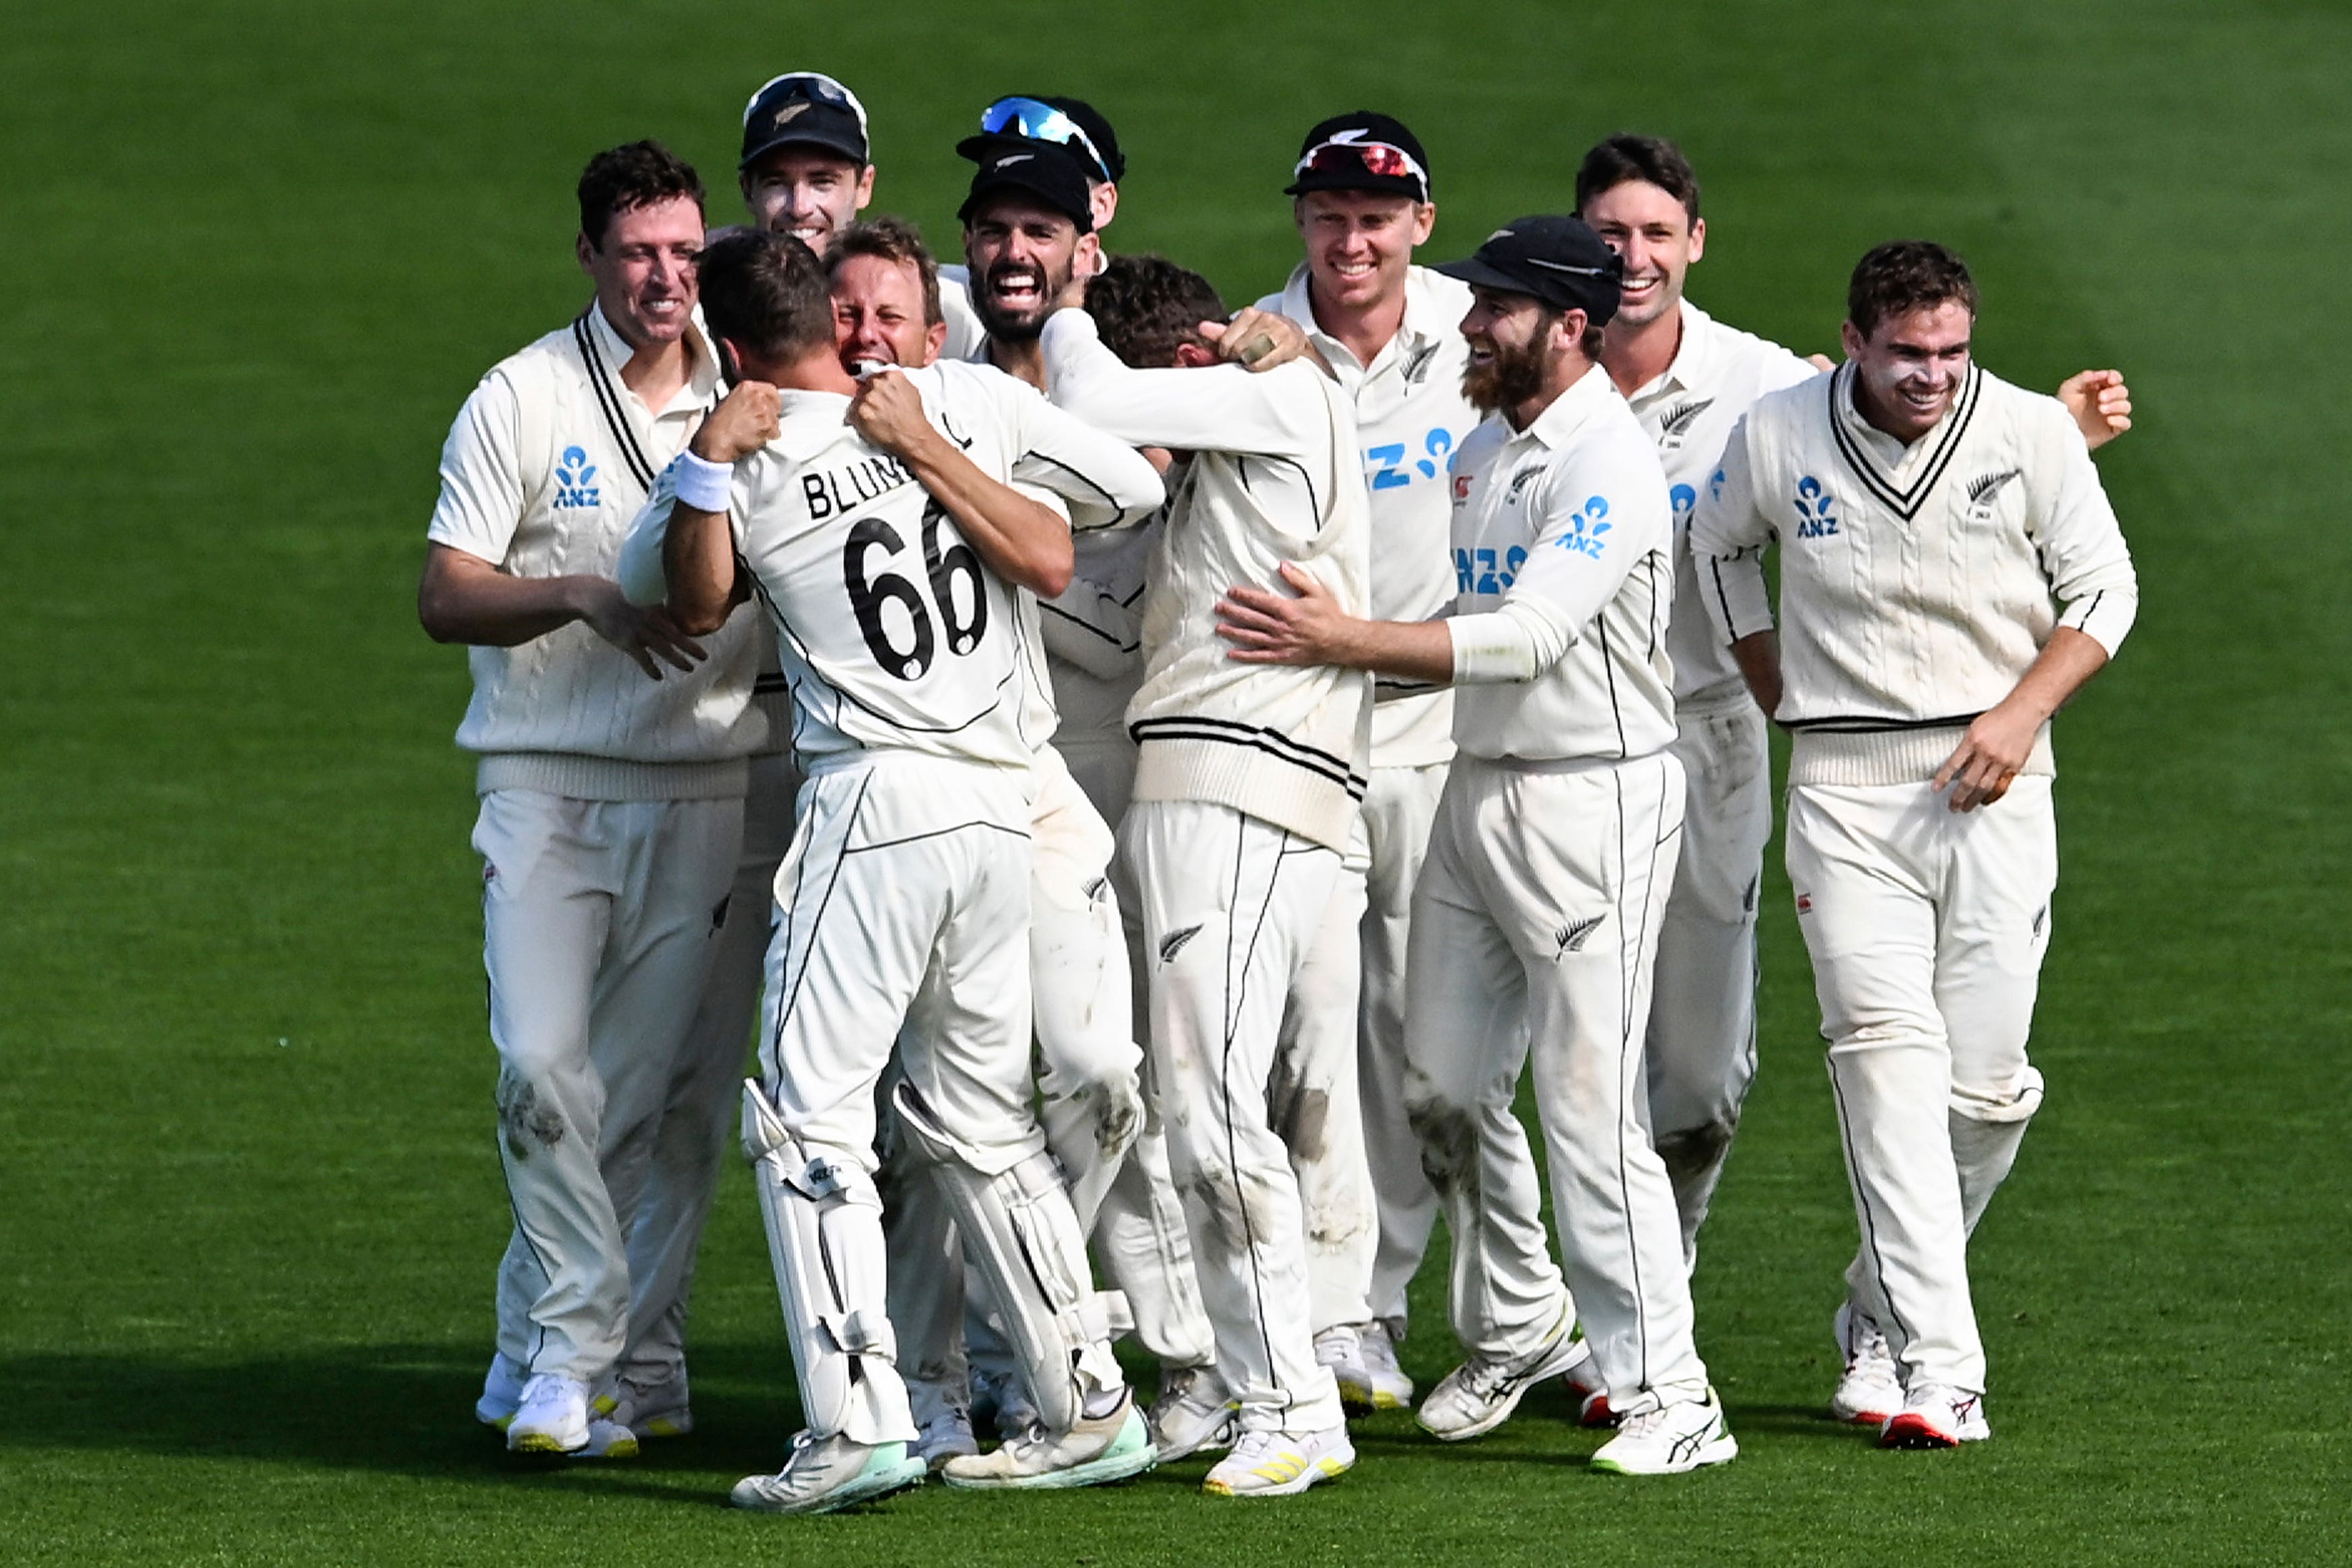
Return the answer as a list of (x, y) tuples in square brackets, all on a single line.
[(1411, 418), (1570, 518), (547, 464), (1718, 374)]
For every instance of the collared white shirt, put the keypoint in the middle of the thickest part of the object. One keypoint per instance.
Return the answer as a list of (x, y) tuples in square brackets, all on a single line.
[(1562, 541), (1718, 371), (1410, 418)]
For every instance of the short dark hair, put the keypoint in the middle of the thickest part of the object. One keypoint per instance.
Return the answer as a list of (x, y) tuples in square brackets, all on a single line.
[(890, 239), (1145, 305), (1624, 158), (1903, 276), (621, 179), (766, 292)]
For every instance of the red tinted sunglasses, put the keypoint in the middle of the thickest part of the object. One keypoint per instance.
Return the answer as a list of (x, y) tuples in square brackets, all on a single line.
[(1380, 159)]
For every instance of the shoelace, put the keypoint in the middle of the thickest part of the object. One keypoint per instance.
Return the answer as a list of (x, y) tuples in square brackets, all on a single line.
[(1252, 1446)]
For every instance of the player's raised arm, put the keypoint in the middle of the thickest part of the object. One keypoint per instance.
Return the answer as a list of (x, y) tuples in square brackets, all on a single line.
[(1105, 481), (1172, 406), (698, 550), (1021, 539)]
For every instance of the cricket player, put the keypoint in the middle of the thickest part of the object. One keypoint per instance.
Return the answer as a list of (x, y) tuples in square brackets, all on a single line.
[(1246, 788), (805, 170), (1951, 574), (875, 523), (1535, 924), (1689, 378), (1013, 124), (612, 779), (1363, 200)]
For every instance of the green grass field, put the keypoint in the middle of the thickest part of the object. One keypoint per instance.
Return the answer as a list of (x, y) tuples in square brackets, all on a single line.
[(249, 1203)]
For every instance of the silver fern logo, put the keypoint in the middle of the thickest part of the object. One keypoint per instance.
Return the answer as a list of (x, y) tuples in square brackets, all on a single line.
[(1984, 493), (1678, 421)]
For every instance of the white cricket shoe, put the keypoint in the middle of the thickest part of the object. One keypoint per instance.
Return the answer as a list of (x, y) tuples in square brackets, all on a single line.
[(944, 1434), (1935, 1417), (501, 1392), (1342, 1347), (1480, 1395), (552, 1418), (822, 1474), (661, 1412), (1098, 1450), (1190, 1413), (1868, 1391), (1280, 1464), (1669, 1440), (1388, 1387)]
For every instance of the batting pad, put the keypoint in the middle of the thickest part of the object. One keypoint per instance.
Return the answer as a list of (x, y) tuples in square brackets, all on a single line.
[(1020, 1231), (823, 1220)]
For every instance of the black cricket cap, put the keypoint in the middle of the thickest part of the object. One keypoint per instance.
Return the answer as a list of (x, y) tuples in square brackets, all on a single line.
[(1556, 260), (1328, 162), (1044, 170), (1018, 123), (807, 108)]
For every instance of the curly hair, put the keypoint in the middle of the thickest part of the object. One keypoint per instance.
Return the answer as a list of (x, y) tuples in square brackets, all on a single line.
[(1146, 306), (623, 179), (1903, 276)]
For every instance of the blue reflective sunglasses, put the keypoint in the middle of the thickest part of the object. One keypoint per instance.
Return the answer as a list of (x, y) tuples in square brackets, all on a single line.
[(1035, 122)]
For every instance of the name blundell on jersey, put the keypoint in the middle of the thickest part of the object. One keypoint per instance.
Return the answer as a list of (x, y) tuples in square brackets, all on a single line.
[(852, 484)]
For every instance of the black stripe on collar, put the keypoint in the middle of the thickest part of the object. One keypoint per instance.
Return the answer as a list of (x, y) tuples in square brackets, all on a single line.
[(1904, 503), (608, 399)]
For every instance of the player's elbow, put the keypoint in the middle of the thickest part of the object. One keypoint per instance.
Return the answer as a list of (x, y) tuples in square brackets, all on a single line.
[(436, 612), (698, 618), (1052, 572)]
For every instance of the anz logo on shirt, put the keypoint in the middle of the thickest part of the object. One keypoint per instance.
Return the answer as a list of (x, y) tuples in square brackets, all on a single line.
[(1585, 529), (1683, 499), (576, 480), (1814, 517), (1389, 470), (1480, 571)]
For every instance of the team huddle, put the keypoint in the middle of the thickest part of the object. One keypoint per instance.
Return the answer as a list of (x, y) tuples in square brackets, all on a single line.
[(1154, 779)]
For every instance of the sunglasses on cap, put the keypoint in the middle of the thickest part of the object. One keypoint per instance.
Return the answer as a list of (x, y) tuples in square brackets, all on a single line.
[(816, 86), (1381, 159), (1034, 121)]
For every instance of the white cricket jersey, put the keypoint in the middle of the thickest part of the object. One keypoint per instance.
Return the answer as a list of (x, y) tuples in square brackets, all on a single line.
[(544, 468), (1272, 477), (1563, 531), (1717, 372), (1411, 418), (1916, 583), (892, 635)]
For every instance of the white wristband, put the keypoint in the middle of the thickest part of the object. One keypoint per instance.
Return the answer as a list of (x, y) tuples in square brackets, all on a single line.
[(705, 486)]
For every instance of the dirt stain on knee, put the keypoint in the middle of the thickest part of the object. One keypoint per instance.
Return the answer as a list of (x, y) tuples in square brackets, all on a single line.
[(1449, 1145), (1304, 1121), (527, 1123)]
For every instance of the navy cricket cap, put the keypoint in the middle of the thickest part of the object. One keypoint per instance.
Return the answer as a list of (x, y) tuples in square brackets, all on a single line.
[(1556, 260), (1362, 152), (807, 108), (1051, 174), (1072, 122)]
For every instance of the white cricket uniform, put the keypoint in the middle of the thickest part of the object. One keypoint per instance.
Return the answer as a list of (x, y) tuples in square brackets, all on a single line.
[(903, 904), (1917, 587), (1411, 418), (1536, 923), (612, 806), (1701, 1046), (1246, 787), (967, 338)]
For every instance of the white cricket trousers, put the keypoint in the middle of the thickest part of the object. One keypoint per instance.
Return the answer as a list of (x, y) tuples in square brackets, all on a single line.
[(598, 920), (1926, 928), (698, 1120), (902, 925), (1369, 1206), (1701, 1046), (1230, 906), (1091, 1107), (1534, 932)]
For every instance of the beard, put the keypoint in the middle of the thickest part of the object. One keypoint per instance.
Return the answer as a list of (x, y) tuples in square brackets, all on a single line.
[(1511, 378), (1019, 325)]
